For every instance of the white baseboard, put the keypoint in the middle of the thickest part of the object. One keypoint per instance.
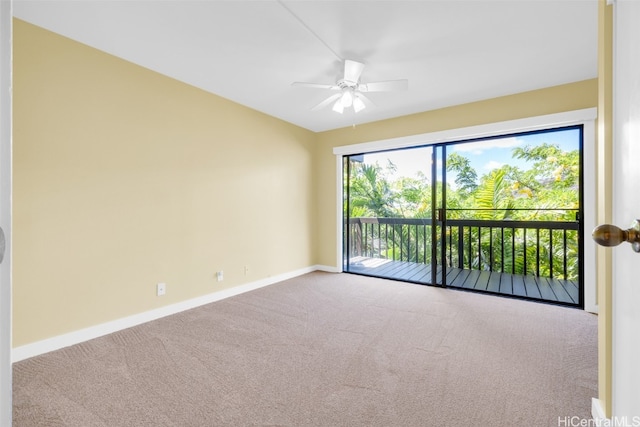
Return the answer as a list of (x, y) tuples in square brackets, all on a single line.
[(328, 269), (591, 308), (50, 344), (597, 412)]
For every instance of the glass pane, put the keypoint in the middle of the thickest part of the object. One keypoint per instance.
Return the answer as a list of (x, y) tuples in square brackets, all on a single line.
[(513, 206), (389, 210), (539, 172)]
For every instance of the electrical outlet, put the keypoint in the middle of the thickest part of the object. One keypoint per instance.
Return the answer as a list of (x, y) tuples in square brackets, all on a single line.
[(220, 275), (246, 270), (161, 289)]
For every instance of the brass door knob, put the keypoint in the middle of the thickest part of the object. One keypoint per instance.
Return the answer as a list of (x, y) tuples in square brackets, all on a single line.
[(610, 235)]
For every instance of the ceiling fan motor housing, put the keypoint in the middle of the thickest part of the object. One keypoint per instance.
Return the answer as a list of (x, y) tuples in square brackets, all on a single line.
[(344, 84)]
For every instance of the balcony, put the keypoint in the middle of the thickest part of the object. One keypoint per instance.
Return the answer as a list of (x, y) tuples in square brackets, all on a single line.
[(528, 259)]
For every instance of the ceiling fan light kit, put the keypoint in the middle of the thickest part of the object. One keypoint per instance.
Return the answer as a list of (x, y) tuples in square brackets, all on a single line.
[(351, 89), (358, 104)]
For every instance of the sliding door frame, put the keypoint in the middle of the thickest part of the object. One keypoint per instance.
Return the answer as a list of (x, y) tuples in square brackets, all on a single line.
[(585, 117), (438, 215)]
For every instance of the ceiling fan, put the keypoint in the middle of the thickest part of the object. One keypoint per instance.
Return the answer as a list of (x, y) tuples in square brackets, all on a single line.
[(351, 90)]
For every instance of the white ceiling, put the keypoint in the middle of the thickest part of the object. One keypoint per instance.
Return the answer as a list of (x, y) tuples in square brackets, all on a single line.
[(451, 51)]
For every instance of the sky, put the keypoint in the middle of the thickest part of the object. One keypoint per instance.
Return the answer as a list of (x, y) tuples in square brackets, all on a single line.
[(483, 155)]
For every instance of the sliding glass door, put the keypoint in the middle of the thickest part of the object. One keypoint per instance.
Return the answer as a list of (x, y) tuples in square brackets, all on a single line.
[(391, 223), (499, 215)]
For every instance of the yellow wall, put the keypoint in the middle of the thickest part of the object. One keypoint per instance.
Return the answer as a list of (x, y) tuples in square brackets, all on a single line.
[(574, 96), (124, 178)]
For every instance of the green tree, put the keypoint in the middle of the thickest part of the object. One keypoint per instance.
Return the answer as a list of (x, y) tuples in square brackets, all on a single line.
[(466, 178), (371, 191), (493, 197)]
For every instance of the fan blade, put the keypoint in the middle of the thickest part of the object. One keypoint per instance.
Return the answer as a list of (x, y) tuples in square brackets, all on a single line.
[(327, 101), (316, 85), (352, 70), (388, 86)]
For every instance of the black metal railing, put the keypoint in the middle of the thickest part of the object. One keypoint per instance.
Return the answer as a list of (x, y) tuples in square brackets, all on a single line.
[(542, 248)]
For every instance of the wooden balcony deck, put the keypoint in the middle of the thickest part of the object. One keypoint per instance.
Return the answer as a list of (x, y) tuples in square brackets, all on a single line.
[(529, 286)]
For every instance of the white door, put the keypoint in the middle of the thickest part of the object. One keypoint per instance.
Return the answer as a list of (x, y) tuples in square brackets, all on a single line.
[(5, 211), (626, 208)]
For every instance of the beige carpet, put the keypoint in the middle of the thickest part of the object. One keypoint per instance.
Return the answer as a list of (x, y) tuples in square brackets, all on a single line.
[(325, 350)]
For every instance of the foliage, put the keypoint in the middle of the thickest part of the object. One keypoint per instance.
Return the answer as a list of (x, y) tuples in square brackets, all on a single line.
[(466, 176), (546, 191)]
